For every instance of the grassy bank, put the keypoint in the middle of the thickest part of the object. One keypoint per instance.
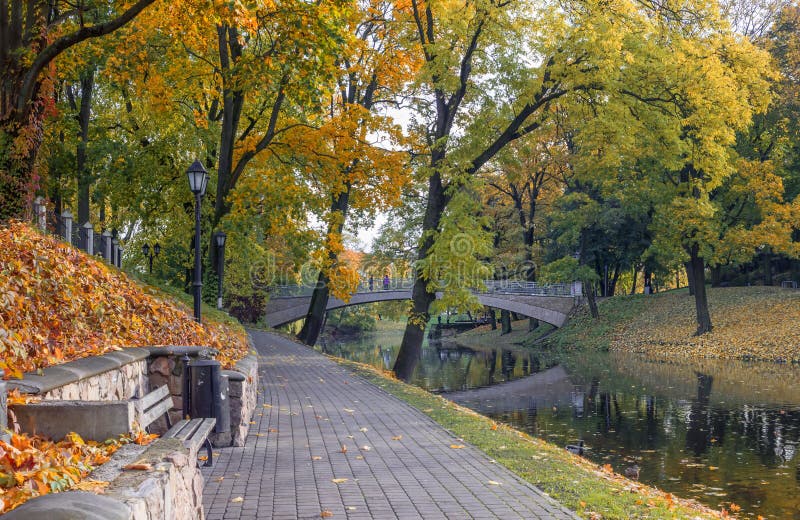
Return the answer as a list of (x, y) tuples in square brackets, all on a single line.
[(749, 323), (591, 490)]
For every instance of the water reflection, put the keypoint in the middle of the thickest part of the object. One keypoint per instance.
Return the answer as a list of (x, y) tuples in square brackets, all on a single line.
[(720, 432)]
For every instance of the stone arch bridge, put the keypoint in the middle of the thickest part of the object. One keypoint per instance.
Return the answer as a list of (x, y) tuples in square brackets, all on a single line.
[(550, 303)]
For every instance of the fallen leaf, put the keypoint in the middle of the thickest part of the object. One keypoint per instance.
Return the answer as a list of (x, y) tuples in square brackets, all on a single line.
[(397, 437), (363, 430), (203, 457), (457, 446), (142, 466), (494, 426), (348, 410), (494, 483), (338, 480), (316, 457), (272, 430), (95, 486), (326, 514), (267, 405), (359, 457), (344, 449), (365, 448), (237, 499)]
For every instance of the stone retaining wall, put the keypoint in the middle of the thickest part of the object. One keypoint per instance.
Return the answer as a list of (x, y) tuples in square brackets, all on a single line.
[(243, 383), (114, 376), (133, 372)]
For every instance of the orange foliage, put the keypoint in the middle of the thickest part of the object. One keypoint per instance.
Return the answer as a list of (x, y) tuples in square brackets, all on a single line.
[(34, 466), (58, 304)]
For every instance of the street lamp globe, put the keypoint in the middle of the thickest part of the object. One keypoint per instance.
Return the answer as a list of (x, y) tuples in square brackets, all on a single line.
[(220, 238), (157, 249), (146, 249), (198, 178)]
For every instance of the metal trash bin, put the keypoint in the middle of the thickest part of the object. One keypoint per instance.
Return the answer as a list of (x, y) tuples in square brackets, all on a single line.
[(208, 393)]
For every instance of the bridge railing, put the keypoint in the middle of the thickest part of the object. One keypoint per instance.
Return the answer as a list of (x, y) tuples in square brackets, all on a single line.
[(405, 284)]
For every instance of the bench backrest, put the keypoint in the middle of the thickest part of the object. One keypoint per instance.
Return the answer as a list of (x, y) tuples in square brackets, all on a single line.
[(153, 405)]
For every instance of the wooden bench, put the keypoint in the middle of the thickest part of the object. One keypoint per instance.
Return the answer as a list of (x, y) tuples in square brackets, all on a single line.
[(152, 406), (192, 432)]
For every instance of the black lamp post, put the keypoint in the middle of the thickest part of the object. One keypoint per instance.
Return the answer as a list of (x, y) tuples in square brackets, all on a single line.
[(219, 242), (149, 255), (198, 179)]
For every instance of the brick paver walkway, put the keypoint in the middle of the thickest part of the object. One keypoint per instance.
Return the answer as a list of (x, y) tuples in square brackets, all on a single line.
[(398, 463)]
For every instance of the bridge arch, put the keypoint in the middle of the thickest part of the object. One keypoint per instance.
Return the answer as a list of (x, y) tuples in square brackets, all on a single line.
[(550, 309)]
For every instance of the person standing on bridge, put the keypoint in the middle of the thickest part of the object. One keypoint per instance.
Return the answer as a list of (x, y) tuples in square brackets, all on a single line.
[(386, 282), (371, 283)]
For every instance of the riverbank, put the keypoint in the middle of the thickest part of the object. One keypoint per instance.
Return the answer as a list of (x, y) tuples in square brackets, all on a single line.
[(750, 323), (592, 490)]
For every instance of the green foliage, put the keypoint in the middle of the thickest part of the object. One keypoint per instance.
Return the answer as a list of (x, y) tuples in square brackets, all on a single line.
[(566, 269)]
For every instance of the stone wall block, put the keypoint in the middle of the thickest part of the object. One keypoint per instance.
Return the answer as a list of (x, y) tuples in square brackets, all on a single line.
[(161, 365)]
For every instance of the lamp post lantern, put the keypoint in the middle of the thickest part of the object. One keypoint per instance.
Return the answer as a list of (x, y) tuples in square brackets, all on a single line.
[(198, 179), (149, 255), (219, 242)]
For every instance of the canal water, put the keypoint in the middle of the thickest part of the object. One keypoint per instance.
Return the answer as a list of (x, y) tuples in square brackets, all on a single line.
[(720, 432)]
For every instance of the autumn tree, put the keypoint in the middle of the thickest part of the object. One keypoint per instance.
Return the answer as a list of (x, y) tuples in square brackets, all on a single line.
[(358, 165), (684, 114), (34, 34), (492, 70)]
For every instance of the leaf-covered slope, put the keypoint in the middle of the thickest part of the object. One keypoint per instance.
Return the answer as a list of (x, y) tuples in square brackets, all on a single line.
[(749, 323), (58, 304)]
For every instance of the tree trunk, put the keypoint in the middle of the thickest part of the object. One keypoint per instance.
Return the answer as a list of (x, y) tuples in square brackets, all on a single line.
[(767, 262), (716, 275), (590, 298), (690, 277), (633, 285), (411, 346), (312, 326), (421, 299), (614, 279), (505, 321), (493, 318), (319, 298), (84, 175), (700, 299)]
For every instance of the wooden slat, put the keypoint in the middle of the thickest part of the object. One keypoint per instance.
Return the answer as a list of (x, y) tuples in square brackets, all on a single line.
[(147, 418), (201, 433), (176, 428), (148, 400), (189, 430)]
